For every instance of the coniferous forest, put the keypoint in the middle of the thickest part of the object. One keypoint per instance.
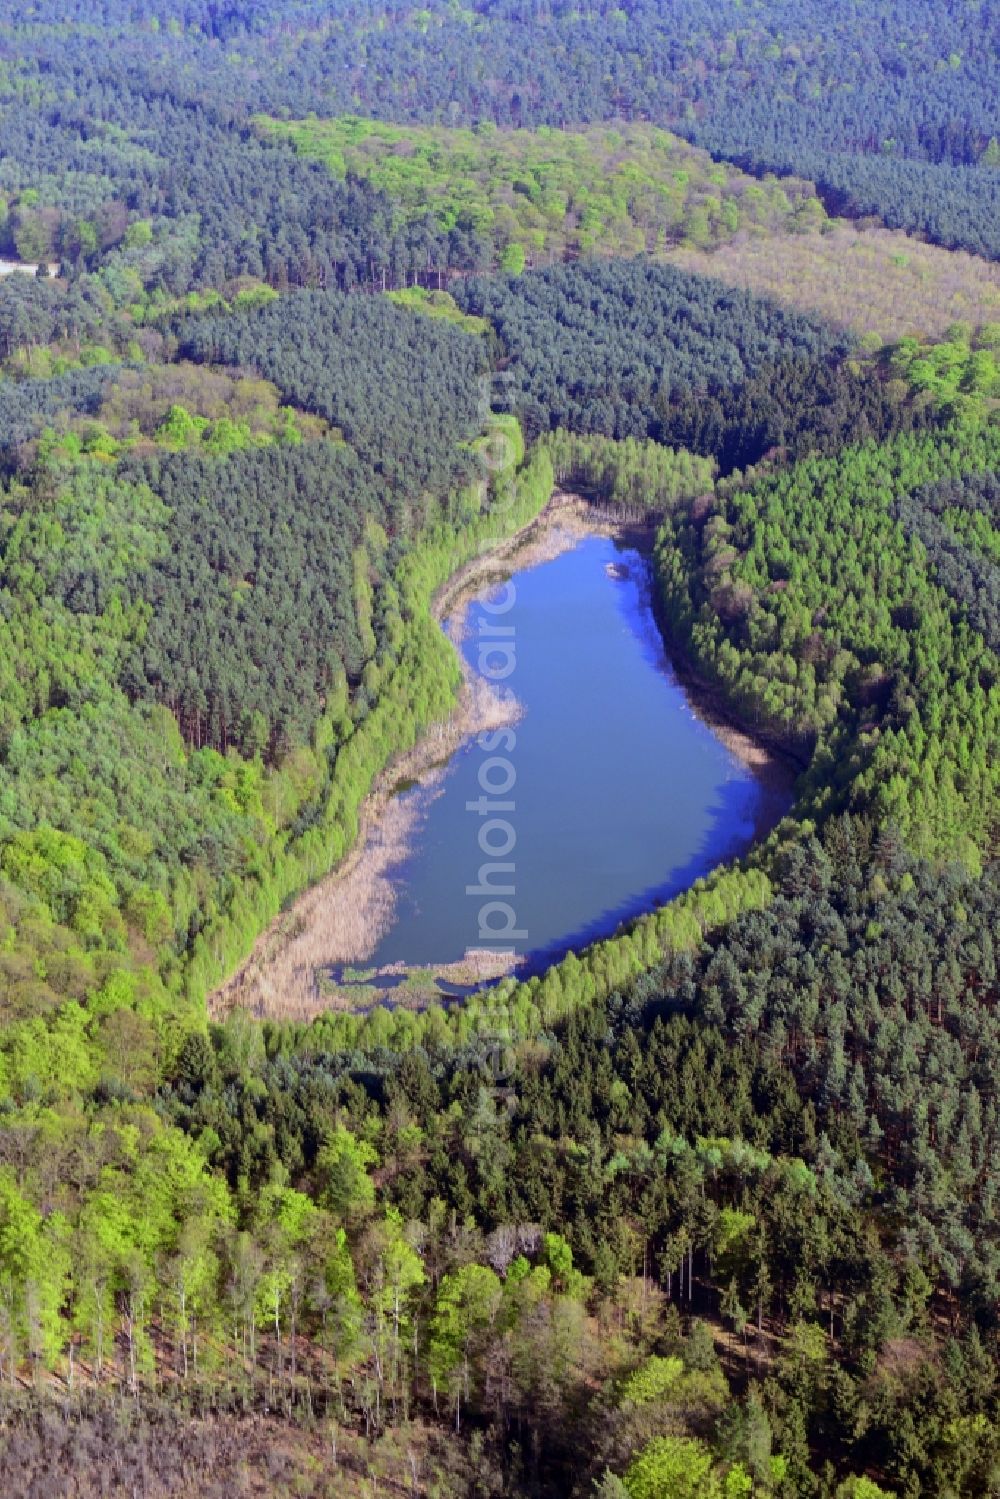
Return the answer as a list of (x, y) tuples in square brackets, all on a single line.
[(305, 309)]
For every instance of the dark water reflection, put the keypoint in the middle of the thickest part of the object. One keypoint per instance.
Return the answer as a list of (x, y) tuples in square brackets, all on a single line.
[(623, 797)]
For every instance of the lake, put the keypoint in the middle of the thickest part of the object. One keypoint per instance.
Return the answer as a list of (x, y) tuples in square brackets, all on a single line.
[(608, 796)]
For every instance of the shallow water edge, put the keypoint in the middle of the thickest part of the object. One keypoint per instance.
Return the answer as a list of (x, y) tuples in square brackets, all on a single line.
[(327, 951)]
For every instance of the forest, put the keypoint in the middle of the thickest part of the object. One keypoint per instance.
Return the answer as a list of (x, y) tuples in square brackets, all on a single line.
[(341, 294), (684, 361), (538, 197), (882, 286), (887, 114), (602, 347)]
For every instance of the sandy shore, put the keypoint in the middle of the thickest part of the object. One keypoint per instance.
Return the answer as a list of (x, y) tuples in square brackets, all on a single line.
[(339, 921)]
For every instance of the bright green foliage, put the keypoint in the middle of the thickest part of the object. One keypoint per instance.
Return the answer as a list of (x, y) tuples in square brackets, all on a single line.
[(288, 1220), (70, 878), (962, 373), (673, 1385), (539, 196), (763, 1117), (346, 1187), (345, 1316), (439, 304), (737, 1482), (34, 1274), (772, 587), (136, 864), (467, 1303), (733, 1236), (631, 478), (655, 1378), (673, 1468), (512, 260), (399, 1276)]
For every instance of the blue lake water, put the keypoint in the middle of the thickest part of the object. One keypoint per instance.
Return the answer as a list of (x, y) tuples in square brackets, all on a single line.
[(622, 797)]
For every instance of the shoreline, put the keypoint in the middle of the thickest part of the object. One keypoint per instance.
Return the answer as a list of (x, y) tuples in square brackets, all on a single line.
[(336, 924), (773, 765), (280, 978)]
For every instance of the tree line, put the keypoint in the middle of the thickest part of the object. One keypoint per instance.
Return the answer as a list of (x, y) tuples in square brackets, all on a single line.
[(603, 347)]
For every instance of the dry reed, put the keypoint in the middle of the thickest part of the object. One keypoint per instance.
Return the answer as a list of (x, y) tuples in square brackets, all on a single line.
[(875, 281), (340, 920)]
